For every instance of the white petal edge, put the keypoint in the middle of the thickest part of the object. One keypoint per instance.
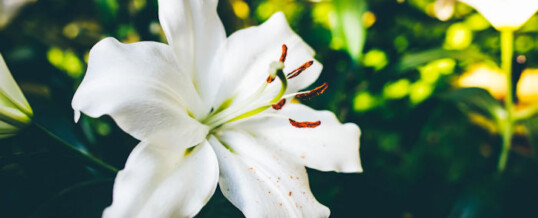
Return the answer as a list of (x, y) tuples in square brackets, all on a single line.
[(505, 13), (244, 59), (162, 182), (140, 86), (262, 182), (332, 146)]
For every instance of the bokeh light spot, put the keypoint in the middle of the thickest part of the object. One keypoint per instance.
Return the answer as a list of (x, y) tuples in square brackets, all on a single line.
[(420, 91), (396, 90), (458, 36), (375, 58), (364, 101), (486, 77), (241, 9), (527, 87)]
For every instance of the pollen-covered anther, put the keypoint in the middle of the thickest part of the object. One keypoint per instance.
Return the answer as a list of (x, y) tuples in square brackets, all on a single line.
[(279, 104), (284, 53), (305, 124), (299, 70), (270, 79), (274, 67), (314, 92)]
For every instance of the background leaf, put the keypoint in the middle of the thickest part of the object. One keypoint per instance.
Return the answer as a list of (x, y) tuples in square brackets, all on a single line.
[(349, 26)]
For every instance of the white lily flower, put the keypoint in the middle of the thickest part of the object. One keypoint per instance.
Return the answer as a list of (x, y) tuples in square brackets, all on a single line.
[(15, 112), (207, 111), (444, 9), (9, 8), (505, 14)]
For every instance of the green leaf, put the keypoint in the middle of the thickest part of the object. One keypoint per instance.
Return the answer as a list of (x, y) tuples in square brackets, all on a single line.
[(349, 27), (477, 100), (532, 130), (413, 60)]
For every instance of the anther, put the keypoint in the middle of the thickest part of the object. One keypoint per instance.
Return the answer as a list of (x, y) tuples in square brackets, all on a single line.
[(270, 79), (299, 70), (306, 124), (279, 104), (274, 67), (284, 53), (314, 92)]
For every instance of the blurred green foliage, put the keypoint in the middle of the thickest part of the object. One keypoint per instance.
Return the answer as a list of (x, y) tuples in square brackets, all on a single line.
[(428, 148)]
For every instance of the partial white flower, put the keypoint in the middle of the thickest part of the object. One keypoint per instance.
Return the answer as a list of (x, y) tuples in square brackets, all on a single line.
[(15, 112), (444, 9), (9, 8), (212, 109), (505, 14)]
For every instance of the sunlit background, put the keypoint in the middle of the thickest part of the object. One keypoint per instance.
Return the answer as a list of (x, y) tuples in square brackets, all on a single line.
[(430, 145)]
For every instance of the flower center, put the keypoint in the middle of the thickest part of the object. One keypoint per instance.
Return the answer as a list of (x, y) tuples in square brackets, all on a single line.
[(252, 105)]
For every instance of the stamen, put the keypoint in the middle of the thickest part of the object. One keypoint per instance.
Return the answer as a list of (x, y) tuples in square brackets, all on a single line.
[(279, 104), (284, 53), (305, 124), (270, 79), (274, 67), (314, 92), (299, 70)]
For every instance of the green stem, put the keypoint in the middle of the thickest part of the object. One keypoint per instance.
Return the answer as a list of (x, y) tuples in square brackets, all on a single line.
[(507, 52), (87, 157)]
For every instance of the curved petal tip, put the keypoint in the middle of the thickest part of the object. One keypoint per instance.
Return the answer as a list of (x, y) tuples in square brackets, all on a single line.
[(77, 116)]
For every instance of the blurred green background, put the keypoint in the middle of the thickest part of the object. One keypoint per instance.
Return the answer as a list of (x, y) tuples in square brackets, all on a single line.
[(429, 146)]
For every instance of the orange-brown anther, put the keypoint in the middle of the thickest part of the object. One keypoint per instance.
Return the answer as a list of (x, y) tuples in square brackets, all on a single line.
[(314, 92), (270, 79), (299, 70), (284, 53), (306, 124), (279, 104)]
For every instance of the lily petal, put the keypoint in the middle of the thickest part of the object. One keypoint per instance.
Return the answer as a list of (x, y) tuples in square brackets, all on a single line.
[(194, 30), (502, 14), (245, 58), (164, 181), (11, 91), (10, 8), (263, 182), (7, 129), (142, 88), (332, 146)]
